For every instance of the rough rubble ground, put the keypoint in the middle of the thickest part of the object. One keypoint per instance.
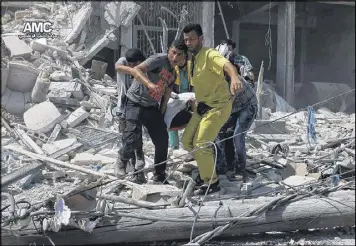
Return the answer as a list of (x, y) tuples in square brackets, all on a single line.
[(79, 102)]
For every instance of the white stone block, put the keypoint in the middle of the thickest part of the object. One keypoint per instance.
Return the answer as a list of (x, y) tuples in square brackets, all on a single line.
[(77, 116), (42, 117), (58, 145), (17, 47), (87, 159)]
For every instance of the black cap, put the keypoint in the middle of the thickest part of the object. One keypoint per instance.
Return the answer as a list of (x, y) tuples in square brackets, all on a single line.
[(134, 55)]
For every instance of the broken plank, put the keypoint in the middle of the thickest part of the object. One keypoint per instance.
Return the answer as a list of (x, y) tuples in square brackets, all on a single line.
[(65, 164)]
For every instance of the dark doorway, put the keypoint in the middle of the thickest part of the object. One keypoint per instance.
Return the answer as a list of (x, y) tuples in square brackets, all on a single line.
[(105, 55)]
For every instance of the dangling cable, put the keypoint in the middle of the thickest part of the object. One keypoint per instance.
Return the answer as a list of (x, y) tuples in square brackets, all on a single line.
[(268, 37)]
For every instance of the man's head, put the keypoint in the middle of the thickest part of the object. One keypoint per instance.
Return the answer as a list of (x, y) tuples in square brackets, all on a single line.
[(193, 37), (230, 43), (177, 53), (134, 57)]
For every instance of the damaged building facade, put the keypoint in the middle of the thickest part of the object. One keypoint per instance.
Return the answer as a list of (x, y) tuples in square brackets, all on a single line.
[(60, 137)]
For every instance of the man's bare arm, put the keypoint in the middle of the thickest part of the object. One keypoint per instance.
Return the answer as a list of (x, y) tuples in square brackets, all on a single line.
[(165, 99), (139, 73), (236, 84), (123, 69)]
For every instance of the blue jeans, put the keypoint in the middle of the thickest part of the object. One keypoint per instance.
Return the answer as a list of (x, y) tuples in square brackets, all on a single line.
[(231, 153)]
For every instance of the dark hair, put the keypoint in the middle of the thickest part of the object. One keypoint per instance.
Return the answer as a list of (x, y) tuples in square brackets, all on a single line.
[(229, 42), (179, 44), (193, 27), (134, 55)]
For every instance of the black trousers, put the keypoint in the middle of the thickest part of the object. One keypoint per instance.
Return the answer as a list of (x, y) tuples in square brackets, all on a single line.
[(153, 120)]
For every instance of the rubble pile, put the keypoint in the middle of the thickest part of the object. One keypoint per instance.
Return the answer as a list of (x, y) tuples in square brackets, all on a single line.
[(60, 138)]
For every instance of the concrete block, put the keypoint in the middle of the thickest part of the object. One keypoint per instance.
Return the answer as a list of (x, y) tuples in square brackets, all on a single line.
[(97, 46), (58, 145), (148, 192), (22, 13), (300, 169), (13, 101), (40, 90), (98, 69), (60, 76), (54, 134), (42, 117), (39, 45), (22, 76), (74, 87), (268, 127), (77, 116), (79, 21), (17, 47), (87, 159), (296, 180), (4, 75)]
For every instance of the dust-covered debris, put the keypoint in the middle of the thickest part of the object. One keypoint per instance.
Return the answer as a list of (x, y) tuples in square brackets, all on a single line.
[(61, 113)]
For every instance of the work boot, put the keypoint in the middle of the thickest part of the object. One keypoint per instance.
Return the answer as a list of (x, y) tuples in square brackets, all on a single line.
[(198, 181), (160, 178), (120, 167), (212, 189), (139, 178), (231, 175)]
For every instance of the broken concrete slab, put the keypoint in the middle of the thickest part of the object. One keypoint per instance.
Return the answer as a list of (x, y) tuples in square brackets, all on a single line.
[(58, 145), (147, 192), (77, 116), (300, 169), (17, 47), (270, 127), (97, 46), (87, 159), (60, 76), (22, 76), (74, 88), (42, 117), (79, 21), (296, 180), (98, 69), (4, 75), (40, 89), (14, 102)]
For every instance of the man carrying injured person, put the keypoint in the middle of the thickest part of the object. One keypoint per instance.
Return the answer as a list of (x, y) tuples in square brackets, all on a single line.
[(124, 67), (214, 103), (146, 105), (182, 85)]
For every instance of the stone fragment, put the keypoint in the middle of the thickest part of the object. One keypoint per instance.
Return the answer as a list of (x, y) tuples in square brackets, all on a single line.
[(149, 192), (42, 117), (77, 116), (17, 47)]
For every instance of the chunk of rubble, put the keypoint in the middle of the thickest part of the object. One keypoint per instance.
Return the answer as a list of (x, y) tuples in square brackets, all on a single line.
[(22, 76), (87, 159), (17, 47), (42, 117), (77, 117), (153, 193), (297, 180), (58, 145)]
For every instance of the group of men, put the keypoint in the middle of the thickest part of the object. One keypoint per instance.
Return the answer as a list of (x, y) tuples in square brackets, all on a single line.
[(222, 111)]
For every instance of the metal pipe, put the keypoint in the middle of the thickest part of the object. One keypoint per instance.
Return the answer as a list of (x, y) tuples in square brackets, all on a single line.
[(223, 19)]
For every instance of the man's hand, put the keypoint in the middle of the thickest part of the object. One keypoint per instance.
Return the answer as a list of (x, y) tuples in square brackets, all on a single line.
[(236, 85), (153, 88), (193, 104)]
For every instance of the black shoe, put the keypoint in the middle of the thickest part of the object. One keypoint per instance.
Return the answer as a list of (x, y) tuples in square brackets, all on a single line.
[(160, 178), (212, 189), (198, 181), (139, 178)]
